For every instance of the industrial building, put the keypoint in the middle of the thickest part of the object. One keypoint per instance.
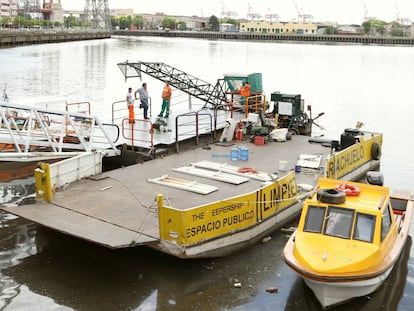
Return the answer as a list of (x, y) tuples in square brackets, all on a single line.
[(50, 10), (278, 27)]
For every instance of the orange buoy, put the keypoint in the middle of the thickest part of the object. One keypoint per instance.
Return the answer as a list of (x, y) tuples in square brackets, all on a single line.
[(247, 170), (350, 190)]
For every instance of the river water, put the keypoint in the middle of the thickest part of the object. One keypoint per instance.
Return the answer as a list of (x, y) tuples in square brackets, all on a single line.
[(44, 270)]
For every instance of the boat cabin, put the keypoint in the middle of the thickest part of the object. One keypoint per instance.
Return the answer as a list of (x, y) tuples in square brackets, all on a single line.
[(337, 221), (349, 238), (332, 212)]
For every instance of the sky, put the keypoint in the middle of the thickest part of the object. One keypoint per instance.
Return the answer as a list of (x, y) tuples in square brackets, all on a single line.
[(341, 11)]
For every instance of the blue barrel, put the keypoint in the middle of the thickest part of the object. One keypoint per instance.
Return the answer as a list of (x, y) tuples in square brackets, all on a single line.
[(234, 153), (244, 152)]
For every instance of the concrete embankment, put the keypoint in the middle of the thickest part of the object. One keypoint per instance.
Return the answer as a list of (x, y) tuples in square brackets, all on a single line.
[(266, 37), (11, 37)]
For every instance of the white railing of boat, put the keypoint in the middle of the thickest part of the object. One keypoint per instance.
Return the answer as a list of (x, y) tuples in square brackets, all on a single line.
[(49, 177), (196, 121), (26, 130)]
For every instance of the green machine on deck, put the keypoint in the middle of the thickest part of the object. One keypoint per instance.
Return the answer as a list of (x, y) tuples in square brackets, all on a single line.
[(235, 82), (289, 108)]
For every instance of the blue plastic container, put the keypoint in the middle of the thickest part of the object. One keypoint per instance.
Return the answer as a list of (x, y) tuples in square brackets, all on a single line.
[(234, 153), (244, 152)]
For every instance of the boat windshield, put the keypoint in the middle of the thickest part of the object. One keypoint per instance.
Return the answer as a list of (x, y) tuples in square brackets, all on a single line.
[(338, 222)]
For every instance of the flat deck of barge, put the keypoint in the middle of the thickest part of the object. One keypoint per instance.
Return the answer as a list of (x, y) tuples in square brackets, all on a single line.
[(118, 208)]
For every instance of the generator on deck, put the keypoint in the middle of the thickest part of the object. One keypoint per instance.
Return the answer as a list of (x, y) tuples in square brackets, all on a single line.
[(290, 114)]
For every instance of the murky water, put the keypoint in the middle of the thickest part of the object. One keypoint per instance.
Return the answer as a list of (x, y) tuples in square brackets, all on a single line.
[(45, 270)]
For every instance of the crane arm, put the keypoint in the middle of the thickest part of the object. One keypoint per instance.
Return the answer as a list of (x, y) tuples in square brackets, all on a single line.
[(211, 94)]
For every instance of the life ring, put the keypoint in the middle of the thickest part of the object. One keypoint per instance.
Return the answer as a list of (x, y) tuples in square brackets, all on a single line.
[(247, 170), (376, 151), (331, 196), (349, 190)]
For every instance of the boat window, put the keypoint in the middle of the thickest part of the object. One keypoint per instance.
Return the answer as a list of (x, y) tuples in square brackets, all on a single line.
[(339, 222), (364, 227), (385, 222), (314, 219)]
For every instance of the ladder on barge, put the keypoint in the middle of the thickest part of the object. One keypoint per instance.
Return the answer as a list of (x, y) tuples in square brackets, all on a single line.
[(29, 133)]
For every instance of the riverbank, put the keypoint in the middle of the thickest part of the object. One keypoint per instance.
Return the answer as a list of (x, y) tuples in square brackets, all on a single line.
[(266, 37), (11, 38)]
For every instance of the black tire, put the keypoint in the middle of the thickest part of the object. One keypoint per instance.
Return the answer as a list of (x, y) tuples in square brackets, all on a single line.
[(376, 151), (293, 131), (331, 196)]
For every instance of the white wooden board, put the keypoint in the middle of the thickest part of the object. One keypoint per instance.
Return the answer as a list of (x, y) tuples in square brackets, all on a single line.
[(212, 174), (188, 185)]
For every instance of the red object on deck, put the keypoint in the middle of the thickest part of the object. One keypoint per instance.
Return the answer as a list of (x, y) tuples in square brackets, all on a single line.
[(259, 140), (238, 133)]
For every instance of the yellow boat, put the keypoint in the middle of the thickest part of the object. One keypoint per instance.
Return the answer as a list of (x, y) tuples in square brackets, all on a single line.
[(348, 239)]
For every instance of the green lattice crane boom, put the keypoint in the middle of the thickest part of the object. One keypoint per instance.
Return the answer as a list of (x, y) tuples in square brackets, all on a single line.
[(213, 95)]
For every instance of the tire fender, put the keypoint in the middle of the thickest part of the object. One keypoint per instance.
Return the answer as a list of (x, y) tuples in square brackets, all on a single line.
[(375, 151), (331, 196)]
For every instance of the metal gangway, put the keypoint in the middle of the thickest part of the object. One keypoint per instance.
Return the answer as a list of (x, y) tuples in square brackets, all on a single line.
[(31, 132)]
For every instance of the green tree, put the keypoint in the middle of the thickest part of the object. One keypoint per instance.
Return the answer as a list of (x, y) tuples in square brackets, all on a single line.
[(45, 23), (181, 25), (71, 21), (381, 29), (397, 32), (18, 21), (168, 22), (374, 25), (5, 20), (367, 27), (138, 21), (87, 24), (124, 22), (214, 23)]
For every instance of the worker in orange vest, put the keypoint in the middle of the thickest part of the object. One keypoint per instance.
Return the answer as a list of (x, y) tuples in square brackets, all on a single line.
[(166, 98), (244, 92)]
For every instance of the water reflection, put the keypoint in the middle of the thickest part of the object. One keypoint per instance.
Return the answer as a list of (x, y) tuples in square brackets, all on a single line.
[(61, 272), (12, 191), (17, 241), (386, 298), (82, 276)]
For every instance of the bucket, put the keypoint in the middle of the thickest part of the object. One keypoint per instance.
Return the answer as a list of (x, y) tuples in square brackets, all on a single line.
[(283, 166)]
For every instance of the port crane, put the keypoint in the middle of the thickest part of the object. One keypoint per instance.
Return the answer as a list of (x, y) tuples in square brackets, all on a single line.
[(302, 16), (212, 95)]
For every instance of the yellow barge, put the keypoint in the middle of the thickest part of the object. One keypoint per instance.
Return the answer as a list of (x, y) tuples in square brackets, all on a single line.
[(196, 203)]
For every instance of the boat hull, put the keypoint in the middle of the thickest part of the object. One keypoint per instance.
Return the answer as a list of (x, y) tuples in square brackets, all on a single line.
[(330, 294), (322, 257), (232, 242)]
